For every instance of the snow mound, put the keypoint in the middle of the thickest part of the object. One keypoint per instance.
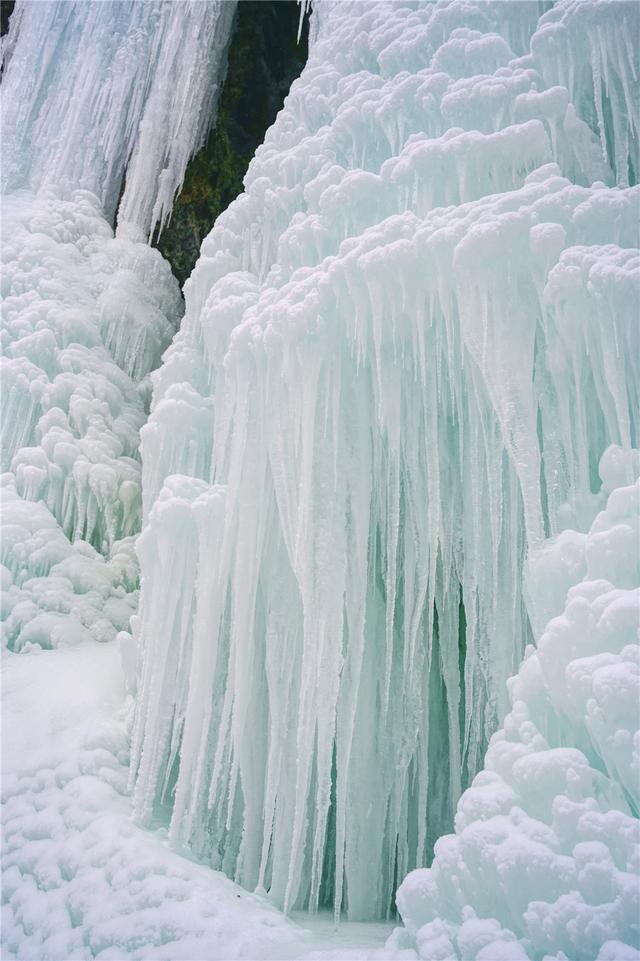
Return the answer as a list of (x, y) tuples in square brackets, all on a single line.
[(405, 348), (80, 881), (544, 858)]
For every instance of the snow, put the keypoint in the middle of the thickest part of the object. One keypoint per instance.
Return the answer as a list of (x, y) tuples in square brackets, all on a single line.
[(405, 348), (389, 463), (80, 880), (544, 856)]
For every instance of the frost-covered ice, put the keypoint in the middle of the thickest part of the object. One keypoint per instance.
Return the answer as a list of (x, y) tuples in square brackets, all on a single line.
[(96, 91), (121, 88), (85, 317), (371, 447), (56, 592), (405, 348), (545, 855)]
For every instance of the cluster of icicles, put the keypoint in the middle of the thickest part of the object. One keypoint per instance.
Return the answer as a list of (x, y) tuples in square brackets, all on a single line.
[(97, 98), (121, 86), (405, 348)]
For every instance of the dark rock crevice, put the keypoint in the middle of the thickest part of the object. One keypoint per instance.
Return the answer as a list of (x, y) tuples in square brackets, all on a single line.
[(6, 9), (265, 58)]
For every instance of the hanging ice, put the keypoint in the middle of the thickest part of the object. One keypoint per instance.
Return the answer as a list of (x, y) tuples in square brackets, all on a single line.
[(85, 317), (120, 88), (405, 348), (544, 859)]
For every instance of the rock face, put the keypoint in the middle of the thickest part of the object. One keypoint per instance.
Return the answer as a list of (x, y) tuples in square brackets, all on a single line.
[(265, 58), (6, 9)]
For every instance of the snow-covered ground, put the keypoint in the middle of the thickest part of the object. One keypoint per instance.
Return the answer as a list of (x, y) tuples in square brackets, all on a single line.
[(80, 879)]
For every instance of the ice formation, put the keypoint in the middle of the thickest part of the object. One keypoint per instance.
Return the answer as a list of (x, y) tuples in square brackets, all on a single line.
[(80, 881), (120, 88), (85, 317), (405, 348), (545, 855)]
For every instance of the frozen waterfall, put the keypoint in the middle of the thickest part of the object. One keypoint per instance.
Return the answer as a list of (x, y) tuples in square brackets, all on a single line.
[(121, 88), (123, 91), (405, 348), (386, 473)]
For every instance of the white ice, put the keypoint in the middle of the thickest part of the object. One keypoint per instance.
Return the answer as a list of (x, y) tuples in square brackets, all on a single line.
[(99, 96), (545, 855), (405, 348), (372, 481), (121, 89)]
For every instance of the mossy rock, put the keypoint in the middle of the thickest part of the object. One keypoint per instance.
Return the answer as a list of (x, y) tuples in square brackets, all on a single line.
[(265, 58)]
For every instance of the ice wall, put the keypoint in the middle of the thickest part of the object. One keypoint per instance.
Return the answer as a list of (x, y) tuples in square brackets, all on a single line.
[(405, 348), (90, 92), (96, 91), (544, 858)]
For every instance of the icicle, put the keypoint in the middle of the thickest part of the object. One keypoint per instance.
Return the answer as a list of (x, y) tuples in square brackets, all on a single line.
[(123, 88), (398, 414)]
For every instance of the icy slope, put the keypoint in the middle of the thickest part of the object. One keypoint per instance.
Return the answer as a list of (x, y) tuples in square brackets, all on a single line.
[(405, 348), (545, 855)]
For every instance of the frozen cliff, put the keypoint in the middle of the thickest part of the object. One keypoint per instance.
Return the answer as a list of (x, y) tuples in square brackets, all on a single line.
[(386, 476), (406, 347), (122, 95)]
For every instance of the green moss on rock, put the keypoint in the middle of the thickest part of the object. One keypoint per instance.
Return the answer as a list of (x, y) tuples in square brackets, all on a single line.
[(264, 60)]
